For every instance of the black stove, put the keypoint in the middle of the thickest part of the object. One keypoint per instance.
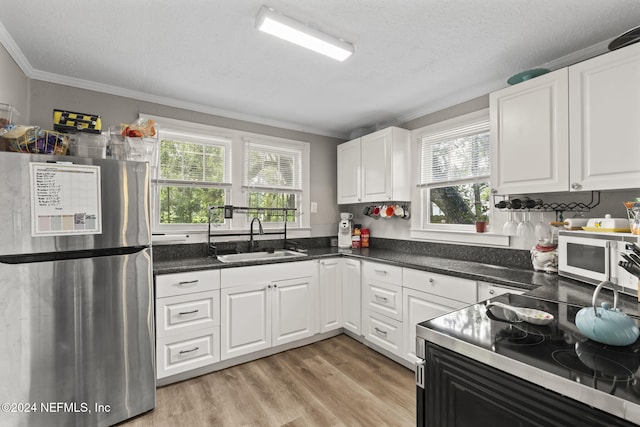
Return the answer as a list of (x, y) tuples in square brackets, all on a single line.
[(557, 348)]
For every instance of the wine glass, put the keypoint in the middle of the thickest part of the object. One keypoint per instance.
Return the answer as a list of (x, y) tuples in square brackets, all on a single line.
[(543, 229), (526, 230), (509, 228)]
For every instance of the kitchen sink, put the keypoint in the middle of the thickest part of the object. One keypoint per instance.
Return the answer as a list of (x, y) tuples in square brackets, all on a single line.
[(258, 256)]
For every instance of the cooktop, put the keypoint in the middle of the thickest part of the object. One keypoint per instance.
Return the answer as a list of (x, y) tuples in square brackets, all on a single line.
[(557, 348)]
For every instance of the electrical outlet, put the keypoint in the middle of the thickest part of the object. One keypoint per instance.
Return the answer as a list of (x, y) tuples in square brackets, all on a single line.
[(314, 207)]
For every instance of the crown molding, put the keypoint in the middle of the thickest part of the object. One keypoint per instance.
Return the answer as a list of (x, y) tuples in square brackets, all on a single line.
[(565, 61), (10, 45)]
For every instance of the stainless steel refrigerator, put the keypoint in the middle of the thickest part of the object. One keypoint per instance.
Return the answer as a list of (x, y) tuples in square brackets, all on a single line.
[(76, 295)]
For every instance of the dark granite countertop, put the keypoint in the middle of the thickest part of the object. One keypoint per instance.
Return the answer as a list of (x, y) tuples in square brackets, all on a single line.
[(542, 285)]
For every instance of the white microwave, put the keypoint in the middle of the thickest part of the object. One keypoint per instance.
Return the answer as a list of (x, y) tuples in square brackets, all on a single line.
[(593, 258)]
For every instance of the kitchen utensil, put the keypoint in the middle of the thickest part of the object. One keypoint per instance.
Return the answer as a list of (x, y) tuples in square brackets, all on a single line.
[(604, 324), (407, 212), (399, 211), (526, 75), (625, 39), (631, 267), (510, 227), (390, 211), (618, 225), (383, 211), (575, 223), (542, 229), (529, 315), (526, 230)]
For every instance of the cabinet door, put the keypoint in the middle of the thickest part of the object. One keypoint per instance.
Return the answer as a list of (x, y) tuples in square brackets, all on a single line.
[(330, 290), (463, 392), (294, 310), (349, 172), (245, 319), (351, 296), (530, 136), (419, 307), (604, 125), (377, 166)]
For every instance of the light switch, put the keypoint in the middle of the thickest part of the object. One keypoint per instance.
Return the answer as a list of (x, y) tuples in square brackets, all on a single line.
[(314, 207)]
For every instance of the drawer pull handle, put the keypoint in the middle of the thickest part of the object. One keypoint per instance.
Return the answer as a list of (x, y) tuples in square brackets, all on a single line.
[(184, 313), (190, 282), (380, 332), (189, 351), (381, 271), (379, 298)]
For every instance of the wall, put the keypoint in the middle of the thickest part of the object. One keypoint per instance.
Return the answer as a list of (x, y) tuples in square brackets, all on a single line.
[(14, 85), (116, 109)]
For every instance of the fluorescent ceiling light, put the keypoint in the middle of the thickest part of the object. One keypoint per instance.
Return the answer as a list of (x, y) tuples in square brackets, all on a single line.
[(276, 24)]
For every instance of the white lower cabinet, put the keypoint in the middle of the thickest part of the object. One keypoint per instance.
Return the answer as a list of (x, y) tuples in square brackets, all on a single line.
[(384, 331), (187, 321), (351, 295), (187, 351), (382, 305), (427, 295), (330, 290), (265, 306)]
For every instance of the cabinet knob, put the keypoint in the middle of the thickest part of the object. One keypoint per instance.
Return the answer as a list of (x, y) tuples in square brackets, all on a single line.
[(268, 286), (494, 191), (576, 186), (431, 280), (491, 292)]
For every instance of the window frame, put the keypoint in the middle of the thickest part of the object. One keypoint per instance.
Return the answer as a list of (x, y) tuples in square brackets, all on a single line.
[(235, 193), (463, 233), (301, 176)]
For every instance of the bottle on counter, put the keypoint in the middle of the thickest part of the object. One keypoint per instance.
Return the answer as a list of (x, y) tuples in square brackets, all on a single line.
[(356, 242), (364, 238)]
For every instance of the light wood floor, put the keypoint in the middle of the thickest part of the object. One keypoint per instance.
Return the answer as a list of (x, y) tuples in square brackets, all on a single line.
[(335, 382)]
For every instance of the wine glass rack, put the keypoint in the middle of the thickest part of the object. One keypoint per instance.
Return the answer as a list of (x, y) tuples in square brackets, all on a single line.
[(527, 204)]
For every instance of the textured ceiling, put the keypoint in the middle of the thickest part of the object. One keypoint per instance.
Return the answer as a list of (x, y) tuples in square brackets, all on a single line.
[(411, 57)]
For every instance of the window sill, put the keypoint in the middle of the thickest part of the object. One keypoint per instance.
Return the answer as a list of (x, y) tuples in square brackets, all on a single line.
[(469, 237), (200, 236)]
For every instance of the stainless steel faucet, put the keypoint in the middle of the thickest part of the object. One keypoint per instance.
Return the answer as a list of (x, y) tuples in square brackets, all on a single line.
[(260, 231)]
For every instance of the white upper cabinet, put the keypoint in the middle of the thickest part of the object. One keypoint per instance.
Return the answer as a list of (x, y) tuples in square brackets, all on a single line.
[(604, 110), (530, 136), (380, 171), (349, 172), (573, 129)]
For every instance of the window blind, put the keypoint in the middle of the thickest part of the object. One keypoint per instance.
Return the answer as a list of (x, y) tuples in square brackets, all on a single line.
[(272, 167), (457, 155), (193, 158)]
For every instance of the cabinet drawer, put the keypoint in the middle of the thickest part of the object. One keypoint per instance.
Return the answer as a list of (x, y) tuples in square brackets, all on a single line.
[(439, 284), (489, 290), (385, 332), (242, 276), (382, 272), (187, 312), (188, 351), (186, 283), (384, 298)]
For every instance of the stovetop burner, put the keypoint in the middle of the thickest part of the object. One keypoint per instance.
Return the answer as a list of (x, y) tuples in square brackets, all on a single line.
[(558, 348)]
